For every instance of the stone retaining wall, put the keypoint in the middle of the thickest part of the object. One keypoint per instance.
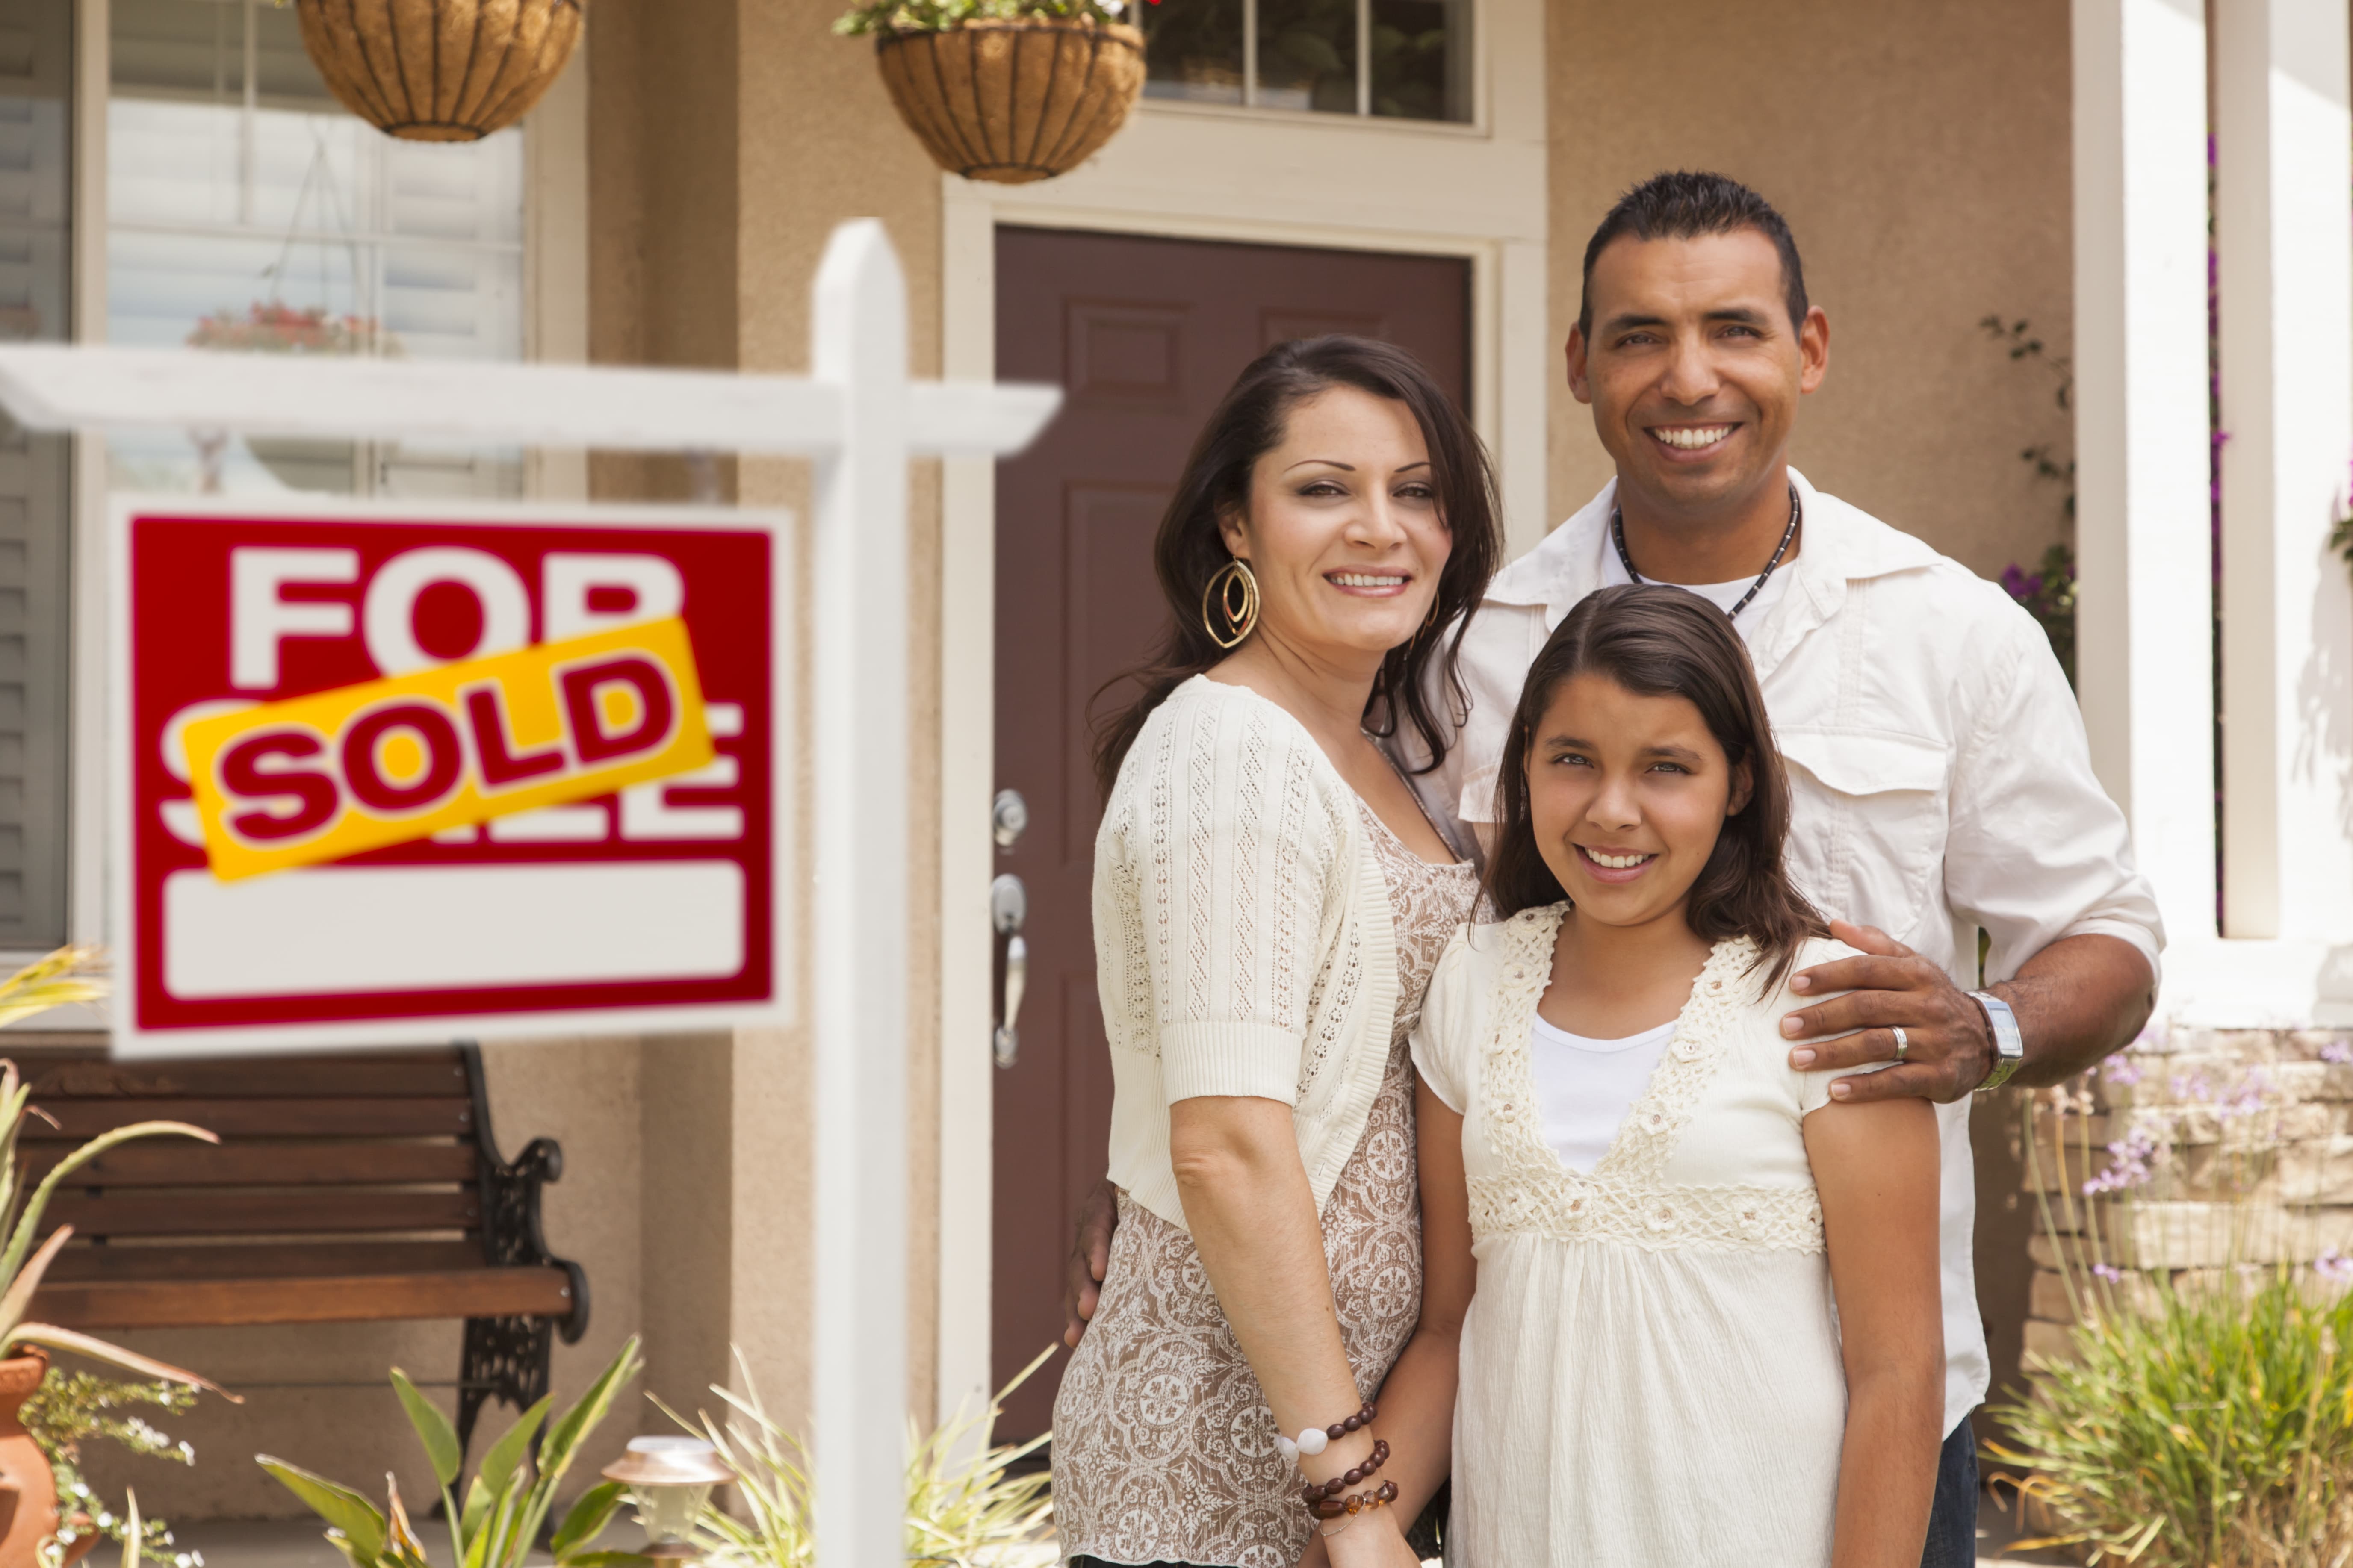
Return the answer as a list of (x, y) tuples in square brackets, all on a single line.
[(2220, 1151)]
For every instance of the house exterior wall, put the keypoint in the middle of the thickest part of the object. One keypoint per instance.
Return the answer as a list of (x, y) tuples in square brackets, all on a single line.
[(729, 138), (1921, 154)]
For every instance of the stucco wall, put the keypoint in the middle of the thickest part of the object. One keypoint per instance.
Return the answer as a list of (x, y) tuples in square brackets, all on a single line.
[(1921, 154), (729, 137)]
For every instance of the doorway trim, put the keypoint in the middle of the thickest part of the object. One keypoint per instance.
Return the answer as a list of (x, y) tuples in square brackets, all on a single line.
[(1444, 190)]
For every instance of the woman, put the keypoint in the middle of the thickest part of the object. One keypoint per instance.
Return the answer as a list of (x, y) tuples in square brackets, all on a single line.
[(1269, 900), (1696, 1295)]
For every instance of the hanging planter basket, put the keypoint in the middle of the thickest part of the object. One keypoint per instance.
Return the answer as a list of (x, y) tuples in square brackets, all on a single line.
[(1017, 99), (440, 70)]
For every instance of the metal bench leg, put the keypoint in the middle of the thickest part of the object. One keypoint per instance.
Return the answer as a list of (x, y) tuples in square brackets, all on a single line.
[(506, 1359)]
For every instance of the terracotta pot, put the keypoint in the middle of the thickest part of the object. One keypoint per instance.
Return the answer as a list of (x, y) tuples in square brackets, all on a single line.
[(1013, 101), (440, 70), (28, 1490)]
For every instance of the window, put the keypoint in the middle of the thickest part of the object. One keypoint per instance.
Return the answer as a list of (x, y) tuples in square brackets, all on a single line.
[(1403, 59), (246, 209), (35, 266)]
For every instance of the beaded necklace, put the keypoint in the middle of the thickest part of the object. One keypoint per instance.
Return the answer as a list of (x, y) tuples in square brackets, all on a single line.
[(1618, 537)]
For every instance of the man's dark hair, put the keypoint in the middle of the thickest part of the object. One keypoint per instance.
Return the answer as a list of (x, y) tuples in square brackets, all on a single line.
[(1685, 206)]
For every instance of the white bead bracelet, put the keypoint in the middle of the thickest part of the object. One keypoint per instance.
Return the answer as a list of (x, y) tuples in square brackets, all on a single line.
[(1311, 1440)]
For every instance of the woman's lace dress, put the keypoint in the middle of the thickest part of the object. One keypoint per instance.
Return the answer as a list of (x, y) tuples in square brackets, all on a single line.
[(1164, 1448)]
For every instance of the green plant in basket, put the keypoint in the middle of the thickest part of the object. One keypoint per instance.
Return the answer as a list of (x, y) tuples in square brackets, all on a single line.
[(938, 15), (965, 1504), (508, 1501)]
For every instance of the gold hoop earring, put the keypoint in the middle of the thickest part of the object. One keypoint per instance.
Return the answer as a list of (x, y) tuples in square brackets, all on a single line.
[(1233, 591)]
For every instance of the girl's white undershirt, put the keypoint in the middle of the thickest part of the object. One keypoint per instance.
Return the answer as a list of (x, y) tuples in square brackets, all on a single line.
[(1584, 1087)]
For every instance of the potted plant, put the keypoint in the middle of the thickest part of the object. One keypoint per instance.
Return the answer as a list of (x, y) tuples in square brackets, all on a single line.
[(28, 1493), (440, 70), (1009, 91)]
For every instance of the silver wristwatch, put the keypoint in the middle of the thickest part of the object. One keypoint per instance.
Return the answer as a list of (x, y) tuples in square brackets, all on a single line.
[(2008, 1044)]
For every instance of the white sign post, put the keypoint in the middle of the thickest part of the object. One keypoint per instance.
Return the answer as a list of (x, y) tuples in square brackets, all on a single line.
[(860, 417)]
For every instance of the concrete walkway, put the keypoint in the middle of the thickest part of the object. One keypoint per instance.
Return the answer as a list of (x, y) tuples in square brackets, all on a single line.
[(301, 1543)]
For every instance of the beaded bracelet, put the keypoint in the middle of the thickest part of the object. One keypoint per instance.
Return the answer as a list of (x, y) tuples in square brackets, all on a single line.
[(1316, 1439), (1363, 1502), (1316, 1491)]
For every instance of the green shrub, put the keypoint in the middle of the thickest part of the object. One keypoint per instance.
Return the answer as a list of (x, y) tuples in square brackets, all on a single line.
[(2213, 1431)]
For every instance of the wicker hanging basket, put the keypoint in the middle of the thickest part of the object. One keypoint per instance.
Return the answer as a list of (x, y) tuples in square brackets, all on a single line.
[(1013, 101), (440, 70)]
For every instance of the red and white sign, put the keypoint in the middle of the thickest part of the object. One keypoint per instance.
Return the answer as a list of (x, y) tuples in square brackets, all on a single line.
[(387, 773)]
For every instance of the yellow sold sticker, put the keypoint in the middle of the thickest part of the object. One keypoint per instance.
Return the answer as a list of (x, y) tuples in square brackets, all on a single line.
[(317, 778)]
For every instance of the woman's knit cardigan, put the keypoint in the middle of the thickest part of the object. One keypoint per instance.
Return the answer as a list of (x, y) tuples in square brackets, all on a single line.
[(1243, 940)]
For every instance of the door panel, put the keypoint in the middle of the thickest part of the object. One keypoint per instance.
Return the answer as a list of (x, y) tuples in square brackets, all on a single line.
[(1144, 336)]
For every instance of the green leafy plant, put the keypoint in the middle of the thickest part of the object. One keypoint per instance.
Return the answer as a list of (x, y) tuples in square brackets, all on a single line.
[(69, 974), (22, 1266), (965, 1503), (68, 1411), (2209, 1428), (508, 1501), (940, 15), (2204, 1416), (2049, 592)]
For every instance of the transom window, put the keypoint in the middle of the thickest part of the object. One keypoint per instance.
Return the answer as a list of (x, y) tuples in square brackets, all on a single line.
[(1399, 59)]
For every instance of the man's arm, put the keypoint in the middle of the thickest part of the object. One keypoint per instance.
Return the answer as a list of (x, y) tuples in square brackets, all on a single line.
[(2077, 1000), (2074, 928)]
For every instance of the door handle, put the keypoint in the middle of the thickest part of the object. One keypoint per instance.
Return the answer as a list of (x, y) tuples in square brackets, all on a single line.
[(1009, 908)]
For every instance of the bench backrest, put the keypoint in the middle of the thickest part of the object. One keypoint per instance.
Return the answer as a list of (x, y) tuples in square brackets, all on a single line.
[(333, 1149)]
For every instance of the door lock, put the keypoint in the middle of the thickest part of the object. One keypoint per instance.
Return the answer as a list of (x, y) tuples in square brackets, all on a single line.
[(1008, 818), (1009, 908)]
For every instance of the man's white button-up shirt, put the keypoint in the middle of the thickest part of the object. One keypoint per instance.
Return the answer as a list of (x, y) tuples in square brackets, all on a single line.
[(1940, 782)]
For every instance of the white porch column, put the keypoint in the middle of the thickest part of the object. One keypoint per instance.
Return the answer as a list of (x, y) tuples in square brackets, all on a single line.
[(2282, 214), (2144, 665)]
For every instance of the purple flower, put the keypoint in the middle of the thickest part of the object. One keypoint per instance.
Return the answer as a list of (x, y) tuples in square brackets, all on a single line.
[(2019, 585), (2337, 1052), (2121, 1070), (2128, 1164), (2334, 1266), (2113, 1276)]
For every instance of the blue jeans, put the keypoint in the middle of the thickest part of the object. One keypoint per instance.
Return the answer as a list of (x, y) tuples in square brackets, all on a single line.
[(1953, 1516)]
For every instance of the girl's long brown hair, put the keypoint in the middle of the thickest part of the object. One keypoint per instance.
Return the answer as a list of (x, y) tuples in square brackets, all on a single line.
[(1657, 641), (1248, 425)]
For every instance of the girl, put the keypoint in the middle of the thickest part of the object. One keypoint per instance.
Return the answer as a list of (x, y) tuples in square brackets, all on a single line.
[(1706, 1326)]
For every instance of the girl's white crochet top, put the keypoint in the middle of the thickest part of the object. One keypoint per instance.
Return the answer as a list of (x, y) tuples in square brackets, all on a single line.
[(1243, 940), (1649, 1374)]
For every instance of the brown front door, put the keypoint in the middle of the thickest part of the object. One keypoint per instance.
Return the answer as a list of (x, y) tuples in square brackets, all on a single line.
[(1145, 336)]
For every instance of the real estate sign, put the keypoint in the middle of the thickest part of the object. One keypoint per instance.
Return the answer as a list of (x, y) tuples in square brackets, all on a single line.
[(391, 773)]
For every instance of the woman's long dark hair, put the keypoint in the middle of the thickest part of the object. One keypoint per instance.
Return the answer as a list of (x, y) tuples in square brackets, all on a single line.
[(1658, 641), (1189, 550)]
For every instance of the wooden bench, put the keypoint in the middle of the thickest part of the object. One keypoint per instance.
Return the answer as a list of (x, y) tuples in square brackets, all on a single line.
[(345, 1189)]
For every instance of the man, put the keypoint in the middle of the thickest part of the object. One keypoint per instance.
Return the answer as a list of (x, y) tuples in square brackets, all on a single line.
[(1940, 779)]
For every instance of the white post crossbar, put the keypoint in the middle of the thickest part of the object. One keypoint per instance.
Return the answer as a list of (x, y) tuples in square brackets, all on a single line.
[(861, 418)]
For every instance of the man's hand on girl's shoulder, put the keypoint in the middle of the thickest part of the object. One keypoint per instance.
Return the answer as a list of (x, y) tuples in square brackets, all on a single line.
[(1946, 1046)]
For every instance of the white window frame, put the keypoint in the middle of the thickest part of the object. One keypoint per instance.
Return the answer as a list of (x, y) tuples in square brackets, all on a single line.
[(1364, 117), (1230, 173), (555, 329)]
